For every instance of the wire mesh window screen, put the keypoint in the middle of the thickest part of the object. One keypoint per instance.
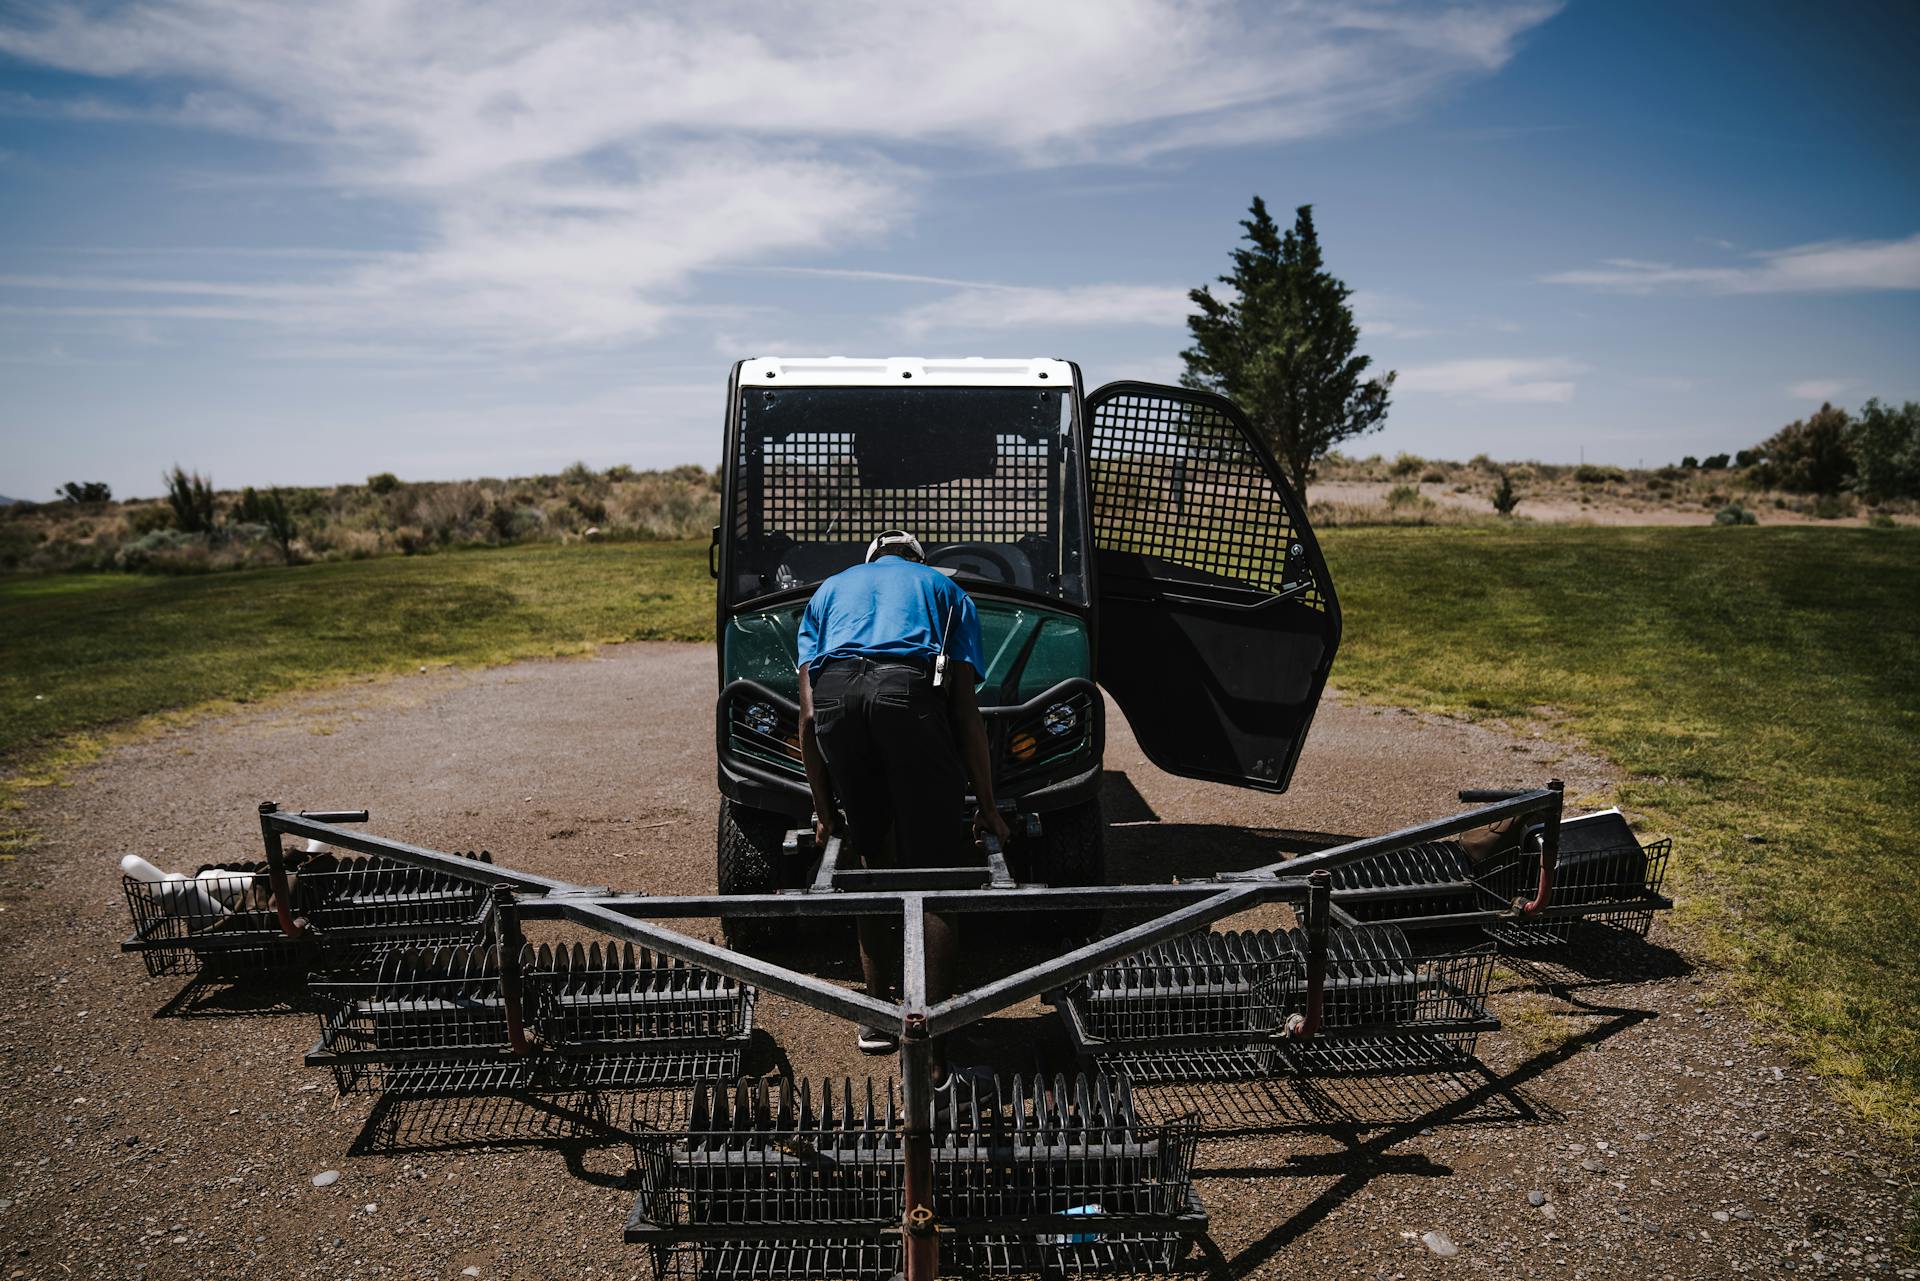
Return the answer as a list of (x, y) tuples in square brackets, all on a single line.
[(810, 490), (1176, 480)]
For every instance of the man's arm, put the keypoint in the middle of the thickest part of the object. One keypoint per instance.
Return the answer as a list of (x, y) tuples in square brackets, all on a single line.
[(970, 732), (819, 781)]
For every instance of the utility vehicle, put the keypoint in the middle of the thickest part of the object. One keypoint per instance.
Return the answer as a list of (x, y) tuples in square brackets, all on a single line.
[(1139, 539)]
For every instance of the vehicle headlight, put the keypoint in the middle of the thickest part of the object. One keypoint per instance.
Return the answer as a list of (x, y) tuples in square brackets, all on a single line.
[(759, 718), (1060, 719)]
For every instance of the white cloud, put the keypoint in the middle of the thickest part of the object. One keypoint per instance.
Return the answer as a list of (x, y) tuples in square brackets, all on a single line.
[(1382, 315), (571, 167), (988, 307), (1821, 389), (1548, 381), (1831, 266)]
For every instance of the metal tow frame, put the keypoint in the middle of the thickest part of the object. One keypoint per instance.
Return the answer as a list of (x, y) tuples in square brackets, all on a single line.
[(1302, 881)]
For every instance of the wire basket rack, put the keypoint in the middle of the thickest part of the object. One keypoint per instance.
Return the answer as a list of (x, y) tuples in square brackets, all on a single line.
[(1604, 876), (778, 1178), (436, 1021), (1386, 1006), (629, 1017), (1199, 986), (224, 919), (1389, 1006)]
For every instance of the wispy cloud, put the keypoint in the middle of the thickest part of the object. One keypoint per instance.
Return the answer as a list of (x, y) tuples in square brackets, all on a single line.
[(876, 277), (1382, 315), (1548, 381), (1832, 266), (1821, 389), (1018, 307), (571, 168)]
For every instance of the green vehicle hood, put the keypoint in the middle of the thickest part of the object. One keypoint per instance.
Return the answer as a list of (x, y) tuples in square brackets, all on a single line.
[(1029, 650)]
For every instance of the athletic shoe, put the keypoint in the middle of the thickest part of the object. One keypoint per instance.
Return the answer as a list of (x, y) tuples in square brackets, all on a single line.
[(873, 1040)]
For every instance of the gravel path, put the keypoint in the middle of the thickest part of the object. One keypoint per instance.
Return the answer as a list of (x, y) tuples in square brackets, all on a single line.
[(1628, 1123)]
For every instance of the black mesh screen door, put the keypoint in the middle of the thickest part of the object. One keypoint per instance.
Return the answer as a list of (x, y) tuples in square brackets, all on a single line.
[(1218, 621)]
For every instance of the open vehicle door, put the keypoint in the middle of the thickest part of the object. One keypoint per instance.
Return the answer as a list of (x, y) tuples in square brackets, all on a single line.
[(1217, 618)]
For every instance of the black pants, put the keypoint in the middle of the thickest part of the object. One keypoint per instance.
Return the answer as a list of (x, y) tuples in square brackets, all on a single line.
[(889, 745)]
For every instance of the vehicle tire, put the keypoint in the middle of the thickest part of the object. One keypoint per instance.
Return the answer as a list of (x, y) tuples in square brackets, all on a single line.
[(1071, 850), (747, 861)]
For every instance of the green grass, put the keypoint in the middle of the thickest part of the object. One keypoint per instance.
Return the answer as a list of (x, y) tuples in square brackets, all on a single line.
[(84, 652), (1762, 681), (1752, 681), (56, 586)]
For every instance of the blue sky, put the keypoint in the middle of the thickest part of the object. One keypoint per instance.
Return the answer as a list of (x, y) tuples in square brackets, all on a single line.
[(300, 243)]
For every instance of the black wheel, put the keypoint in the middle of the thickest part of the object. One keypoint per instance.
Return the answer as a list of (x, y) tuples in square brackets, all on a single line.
[(747, 861), (1071, 850)]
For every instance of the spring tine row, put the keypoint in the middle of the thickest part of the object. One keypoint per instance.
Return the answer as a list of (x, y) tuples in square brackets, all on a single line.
[(1206, 958), (1434, 865), (1032, 1110), (587, 971)]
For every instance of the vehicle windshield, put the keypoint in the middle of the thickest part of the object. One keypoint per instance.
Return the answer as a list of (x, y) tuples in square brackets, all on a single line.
[(987, 478)]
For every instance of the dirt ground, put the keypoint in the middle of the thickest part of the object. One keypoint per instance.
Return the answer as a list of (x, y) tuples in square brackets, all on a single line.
[(169, 1134)]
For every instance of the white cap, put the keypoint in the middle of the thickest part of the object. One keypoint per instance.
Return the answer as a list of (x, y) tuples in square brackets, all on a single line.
[(894, 538)]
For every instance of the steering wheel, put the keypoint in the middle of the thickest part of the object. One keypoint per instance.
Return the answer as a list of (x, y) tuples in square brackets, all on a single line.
[(994, 556)]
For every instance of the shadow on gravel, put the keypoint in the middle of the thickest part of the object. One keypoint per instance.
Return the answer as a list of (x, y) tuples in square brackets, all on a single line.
[(212, 997), (1141, 848), (574, 1124), (1593, 956), (1271, 1106), (1147, 853), (1363, 1159)]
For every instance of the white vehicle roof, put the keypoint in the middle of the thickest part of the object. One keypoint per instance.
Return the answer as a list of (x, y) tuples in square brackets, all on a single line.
[(905, 371)]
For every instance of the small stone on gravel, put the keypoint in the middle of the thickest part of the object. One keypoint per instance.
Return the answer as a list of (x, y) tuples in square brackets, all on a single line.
[(1440, 1243), (469, 1272), (1536, 1197), (1721, 1216), (326, 1178), (1592, 1166)]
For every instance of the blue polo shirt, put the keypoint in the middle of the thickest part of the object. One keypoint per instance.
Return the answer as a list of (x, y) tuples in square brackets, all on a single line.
[(892, 608)]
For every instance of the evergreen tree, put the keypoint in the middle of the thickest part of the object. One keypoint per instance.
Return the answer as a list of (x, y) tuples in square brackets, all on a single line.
[(1282, 346)]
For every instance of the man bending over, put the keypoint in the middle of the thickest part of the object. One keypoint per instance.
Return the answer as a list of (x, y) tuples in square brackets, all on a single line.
[(895, 748)]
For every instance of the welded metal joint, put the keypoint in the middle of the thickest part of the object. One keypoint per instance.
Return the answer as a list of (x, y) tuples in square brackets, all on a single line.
[(1303, 1026), (508, 940)]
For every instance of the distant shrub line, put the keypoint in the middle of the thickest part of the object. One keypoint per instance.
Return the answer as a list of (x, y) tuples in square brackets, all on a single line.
[(196, 529), (1826, 466)]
